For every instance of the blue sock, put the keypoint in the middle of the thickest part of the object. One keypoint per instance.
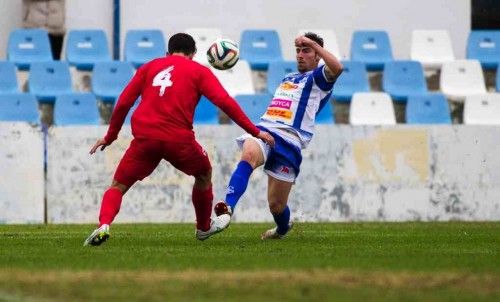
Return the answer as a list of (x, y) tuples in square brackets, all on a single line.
[(282, 219), (238, 183)]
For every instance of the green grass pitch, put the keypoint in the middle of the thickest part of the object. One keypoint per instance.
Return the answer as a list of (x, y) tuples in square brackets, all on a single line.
[(452, 261)]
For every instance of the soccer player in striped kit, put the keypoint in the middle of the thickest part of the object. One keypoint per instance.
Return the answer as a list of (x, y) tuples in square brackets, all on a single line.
[(290, 119), (162, 126)]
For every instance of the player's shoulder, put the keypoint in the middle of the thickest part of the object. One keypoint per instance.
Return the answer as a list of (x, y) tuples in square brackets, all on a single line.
[(154, 62), (201, 69)]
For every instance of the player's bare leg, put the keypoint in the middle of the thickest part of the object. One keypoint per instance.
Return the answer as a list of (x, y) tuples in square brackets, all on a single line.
[(277, 196)]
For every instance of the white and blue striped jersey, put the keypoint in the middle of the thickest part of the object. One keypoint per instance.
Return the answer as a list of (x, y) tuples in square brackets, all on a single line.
[(294, 106)]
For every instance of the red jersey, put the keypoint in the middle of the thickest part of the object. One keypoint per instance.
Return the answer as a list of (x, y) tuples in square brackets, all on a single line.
[(170, 88)]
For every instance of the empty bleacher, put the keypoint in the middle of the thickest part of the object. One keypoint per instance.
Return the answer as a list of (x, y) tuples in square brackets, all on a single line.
[(405, 83)]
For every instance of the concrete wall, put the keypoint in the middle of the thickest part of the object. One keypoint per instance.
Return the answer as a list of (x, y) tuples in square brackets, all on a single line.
[(21, 174), (348, 174), (399, 18)]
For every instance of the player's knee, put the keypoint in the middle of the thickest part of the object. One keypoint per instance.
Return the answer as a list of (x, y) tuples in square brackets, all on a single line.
[(121, 187), (251, 156), (203, 180), (276, 207)]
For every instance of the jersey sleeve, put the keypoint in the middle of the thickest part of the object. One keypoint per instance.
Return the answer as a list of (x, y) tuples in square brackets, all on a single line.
[(321, 80), (126, 100), (213, 90)]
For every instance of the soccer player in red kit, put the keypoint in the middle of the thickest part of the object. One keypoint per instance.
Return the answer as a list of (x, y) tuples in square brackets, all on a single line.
[(162, 126)]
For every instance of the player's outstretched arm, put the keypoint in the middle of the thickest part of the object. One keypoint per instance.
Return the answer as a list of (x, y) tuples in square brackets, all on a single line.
[(210, 87)]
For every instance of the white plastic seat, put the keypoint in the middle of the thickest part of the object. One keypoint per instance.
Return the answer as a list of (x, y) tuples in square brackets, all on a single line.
[(482, 109), (203, 38), (371, 108), (237, 80), (462, 78), (431, 48), (329, 39)]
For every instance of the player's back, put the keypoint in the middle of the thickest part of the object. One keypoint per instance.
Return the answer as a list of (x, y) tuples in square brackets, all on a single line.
[(169, 94)]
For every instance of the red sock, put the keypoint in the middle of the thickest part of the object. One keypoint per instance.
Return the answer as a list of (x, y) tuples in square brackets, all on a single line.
[(202, 201), (110, 206)]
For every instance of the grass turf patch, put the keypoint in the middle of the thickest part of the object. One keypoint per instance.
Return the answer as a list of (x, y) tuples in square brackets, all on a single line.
[(376, 261)]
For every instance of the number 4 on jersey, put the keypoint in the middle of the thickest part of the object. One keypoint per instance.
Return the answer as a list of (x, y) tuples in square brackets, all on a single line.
[(162, 79)]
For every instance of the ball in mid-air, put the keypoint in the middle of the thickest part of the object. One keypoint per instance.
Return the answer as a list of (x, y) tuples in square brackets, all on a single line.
[(223, 54)]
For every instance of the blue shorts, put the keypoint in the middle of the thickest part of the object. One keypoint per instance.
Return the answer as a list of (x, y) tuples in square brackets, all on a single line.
[(281, 162)]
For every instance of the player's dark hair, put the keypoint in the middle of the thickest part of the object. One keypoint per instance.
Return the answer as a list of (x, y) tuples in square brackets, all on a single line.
[(314, 37), (182, 43)]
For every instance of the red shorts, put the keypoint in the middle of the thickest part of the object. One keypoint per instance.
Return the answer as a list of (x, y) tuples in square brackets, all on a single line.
[(144, 155)]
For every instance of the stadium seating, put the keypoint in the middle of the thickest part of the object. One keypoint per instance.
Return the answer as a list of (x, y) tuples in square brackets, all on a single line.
[(47, 80), (204, 37), (86, 47), (254, 105), (498, 79), (329, 40), (109, 79), (402, 79), (484, 46), (353, 79), (76, 109), (325, 116), (8, 78), (259, 47), (431, 48), (206, 113), (428, 109), (277, 71), (482, 109), (142, 46), (371, 108), (462, 78), (26, 46), (372, 48), (237, 80), (19, 107)]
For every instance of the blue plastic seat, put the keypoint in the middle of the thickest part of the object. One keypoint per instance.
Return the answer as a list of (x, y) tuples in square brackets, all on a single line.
[(484, 46), (353, 79), (325, 116), (404, 78), (142, 46), (76, 109), (254, 105), (26, 46), (86, 47), (206, 113), (110, 78), (277, 71), (372, 48), (260, 47), (47, 80), (19, 107), (428, 109), (498, 78), (8, 78)]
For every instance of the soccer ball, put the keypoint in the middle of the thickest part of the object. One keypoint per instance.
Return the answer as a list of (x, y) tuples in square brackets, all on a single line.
[(223, 54)]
